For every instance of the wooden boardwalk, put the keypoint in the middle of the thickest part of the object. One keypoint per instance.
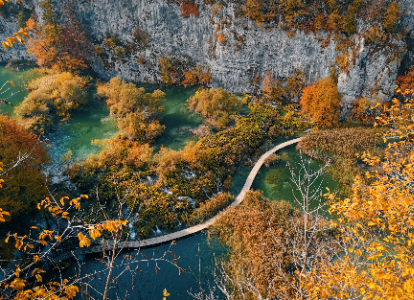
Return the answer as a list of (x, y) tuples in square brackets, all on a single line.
[(185, 232)]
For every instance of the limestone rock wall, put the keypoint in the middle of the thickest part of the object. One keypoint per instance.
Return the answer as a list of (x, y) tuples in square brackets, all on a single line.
[(232, 63)]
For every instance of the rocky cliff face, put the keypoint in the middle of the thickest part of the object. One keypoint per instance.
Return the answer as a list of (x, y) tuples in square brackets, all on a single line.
[(247, 49)]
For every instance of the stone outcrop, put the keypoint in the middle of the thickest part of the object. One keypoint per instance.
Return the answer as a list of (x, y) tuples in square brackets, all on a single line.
[(247, 50)]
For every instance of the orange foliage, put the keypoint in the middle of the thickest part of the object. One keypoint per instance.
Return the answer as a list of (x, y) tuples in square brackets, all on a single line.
[(320, 102), (363, 111), (221, 38), (25, 183), (272, 89), (59, 48), (406, 82), (188, 8), (197, 76)]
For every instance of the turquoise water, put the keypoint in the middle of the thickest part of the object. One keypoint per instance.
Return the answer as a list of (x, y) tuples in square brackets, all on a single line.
[(92, 121), (15, 76), (177, 119), (197, 254), (275, 182)]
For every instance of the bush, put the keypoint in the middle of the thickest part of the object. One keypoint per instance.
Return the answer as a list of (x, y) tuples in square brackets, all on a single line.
[(53, 95), (391, 17), (272, 160), (211, 207), (136, 111), (344, 142), (214, 105)]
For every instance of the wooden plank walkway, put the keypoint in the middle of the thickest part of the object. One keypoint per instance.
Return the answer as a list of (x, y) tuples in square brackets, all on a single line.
[(185, 232)]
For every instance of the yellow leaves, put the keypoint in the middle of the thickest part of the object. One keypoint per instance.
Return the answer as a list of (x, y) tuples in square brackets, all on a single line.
[(165, 294), (71, 291), (38, 278), (23, 31), (2, 2), (358, 252), (94, 233), (114, 225), (83, 240), (18, 284), (19, 38), (36, 258), (3, 213), (75, 203)]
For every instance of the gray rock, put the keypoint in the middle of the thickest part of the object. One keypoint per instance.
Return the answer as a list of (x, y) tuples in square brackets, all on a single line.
[(263, 49)]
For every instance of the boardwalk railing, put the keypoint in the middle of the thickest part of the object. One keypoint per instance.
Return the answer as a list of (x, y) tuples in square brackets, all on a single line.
[(107, 245)]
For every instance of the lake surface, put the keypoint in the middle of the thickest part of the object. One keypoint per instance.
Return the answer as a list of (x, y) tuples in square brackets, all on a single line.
[(197, 252)]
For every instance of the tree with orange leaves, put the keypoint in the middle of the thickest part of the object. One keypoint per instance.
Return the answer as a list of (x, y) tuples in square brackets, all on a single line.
[(189, 8), (197, 76), (60, 47), (272, 91), (25, 183), (320, 103), (406, 82)]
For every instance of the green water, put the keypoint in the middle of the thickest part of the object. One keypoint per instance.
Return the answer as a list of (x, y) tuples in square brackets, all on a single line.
[(92, 121), (177, 119), (275, 182), (15, 76)]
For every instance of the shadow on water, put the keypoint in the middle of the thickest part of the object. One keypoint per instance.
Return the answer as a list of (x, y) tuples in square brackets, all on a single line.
[(196, 253)]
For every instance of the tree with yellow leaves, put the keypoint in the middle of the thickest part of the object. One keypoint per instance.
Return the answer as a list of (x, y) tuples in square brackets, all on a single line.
[(377, 220)]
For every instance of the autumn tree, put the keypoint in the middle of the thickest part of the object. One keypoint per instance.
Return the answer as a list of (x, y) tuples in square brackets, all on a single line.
[(391, 18), (53, 97), (74, 38), (376, 220), (25, 183), (273, 91), (189, 8), (338, 147), (295, 84), (58, 46), (197, 75), (406, 82), (215, 105), (320, 103), (137, 112)]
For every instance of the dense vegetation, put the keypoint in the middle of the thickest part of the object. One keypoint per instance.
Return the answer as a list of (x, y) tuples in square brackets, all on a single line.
[(276, 250), (25, 185), (136, 111), (215, 106), (53, 95)]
